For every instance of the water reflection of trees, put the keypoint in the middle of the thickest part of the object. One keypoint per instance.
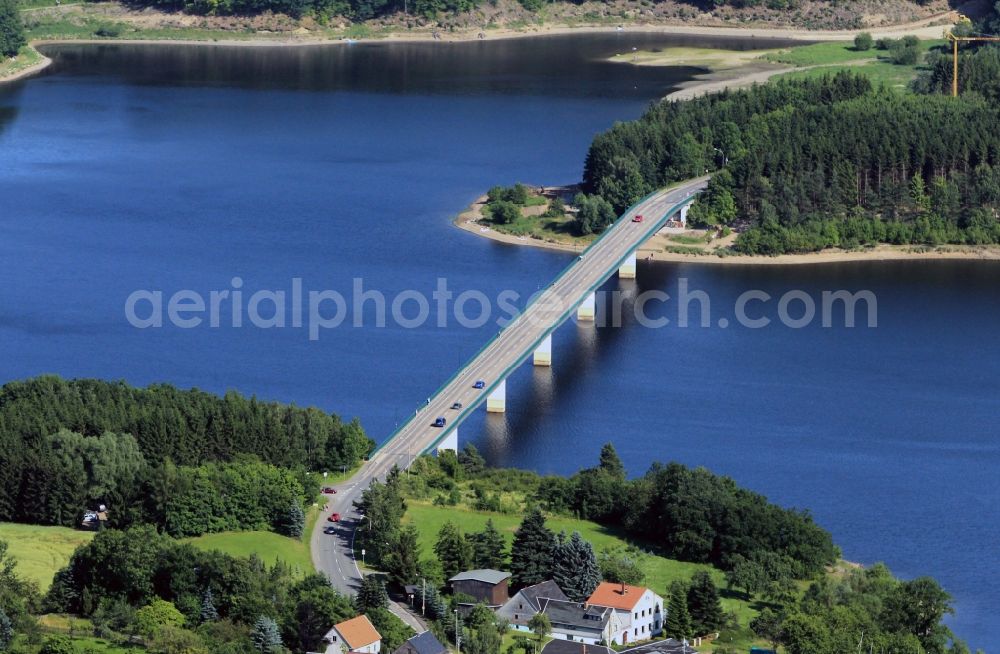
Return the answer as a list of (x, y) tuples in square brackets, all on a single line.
[(7, 116)]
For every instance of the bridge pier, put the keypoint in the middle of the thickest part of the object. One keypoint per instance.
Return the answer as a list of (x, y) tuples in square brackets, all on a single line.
[(627, 269), (496, 401), (450, 441), (543, 353), (684, 213), (587, 308)]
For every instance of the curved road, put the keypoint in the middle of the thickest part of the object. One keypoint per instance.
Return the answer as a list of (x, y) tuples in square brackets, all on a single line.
[(332, 554)]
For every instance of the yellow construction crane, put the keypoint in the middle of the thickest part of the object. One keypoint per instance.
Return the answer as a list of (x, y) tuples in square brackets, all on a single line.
[(954, 50)]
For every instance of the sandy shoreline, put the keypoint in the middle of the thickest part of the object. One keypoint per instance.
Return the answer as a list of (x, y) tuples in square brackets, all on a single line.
[(29, 71), (653, 249), (932, 26)]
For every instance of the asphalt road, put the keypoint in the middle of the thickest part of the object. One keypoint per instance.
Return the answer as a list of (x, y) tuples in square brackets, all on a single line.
[(333, 554)]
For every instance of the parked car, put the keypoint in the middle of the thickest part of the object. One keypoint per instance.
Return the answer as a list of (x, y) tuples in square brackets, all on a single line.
[(334, 517), (440, 422), (456, 406), (329, 491), (479, 384), (637, 218)]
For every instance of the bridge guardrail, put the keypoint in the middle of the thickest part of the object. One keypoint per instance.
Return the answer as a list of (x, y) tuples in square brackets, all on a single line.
[(659, 223), (555, 325)]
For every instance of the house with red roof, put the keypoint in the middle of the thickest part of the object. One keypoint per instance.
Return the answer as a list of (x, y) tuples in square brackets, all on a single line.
[(354, 635), (639, 611)]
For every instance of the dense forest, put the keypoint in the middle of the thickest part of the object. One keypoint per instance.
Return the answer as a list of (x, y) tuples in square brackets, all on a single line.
[(818, 163), (180, 599), (69, 445)]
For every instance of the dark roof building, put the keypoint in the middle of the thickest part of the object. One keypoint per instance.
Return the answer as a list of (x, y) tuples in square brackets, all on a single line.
[(559, 646), (424, 643), (668, 646), (520, 608), (487, 586), (582, 622)]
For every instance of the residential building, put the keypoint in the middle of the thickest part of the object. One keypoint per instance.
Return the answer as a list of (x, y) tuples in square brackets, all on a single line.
[(354, 635), (491, 587), (639, 610), (581, 622), (559, 646), (525, 603), (667, 646), (424, 643)]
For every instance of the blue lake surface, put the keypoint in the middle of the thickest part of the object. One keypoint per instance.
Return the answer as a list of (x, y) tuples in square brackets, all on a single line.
[(169, 168)]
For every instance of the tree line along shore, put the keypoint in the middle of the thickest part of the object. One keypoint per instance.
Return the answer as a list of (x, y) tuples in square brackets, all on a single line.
[(147, 469)]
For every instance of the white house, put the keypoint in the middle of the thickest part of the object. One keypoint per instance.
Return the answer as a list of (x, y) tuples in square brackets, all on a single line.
[(639, 611), (354, 635), (584, 623)]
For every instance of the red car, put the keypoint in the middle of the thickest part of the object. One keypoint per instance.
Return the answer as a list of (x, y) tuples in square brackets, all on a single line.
[(334, 517), (637, 218), (330, 491)]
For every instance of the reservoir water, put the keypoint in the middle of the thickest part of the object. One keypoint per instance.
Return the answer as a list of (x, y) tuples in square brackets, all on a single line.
[(169, 168)]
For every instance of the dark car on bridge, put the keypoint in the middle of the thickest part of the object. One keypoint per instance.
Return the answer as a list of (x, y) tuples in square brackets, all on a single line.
[(440, 422), (329, 529), (479, 384), (456, 406)]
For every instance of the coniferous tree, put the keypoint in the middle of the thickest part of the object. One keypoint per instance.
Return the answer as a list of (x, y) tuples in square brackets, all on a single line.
[(208, 610), (6, 632), (452, 550), (574, 567), (371, 595), (531, 552), (293, 523), (471, 459), (11, 29), (703, 604), (678, 622), (402, 561), (265, 635), (437, 607), (610, 463), (488, 548)]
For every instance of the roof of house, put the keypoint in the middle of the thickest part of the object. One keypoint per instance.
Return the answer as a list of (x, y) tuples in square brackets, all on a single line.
[(357, 632), (560, 646), (667, 646), (617, 596), (425, 643), (575, 615), (486, 576), (547, 589)]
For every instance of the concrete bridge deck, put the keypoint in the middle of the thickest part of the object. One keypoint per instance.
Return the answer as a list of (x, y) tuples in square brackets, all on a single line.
[(333, 555)]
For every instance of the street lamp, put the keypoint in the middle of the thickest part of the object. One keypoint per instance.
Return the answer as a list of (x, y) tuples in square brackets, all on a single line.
[(458, 632)]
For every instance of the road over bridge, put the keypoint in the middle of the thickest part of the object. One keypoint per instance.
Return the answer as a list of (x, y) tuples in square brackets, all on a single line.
[(529, 334)]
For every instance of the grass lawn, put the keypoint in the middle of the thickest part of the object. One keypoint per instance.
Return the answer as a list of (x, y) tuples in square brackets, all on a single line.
[(879, 72), (40, 551), (660, 571), (268, 546), (821, 54), (833, 57), (88, 645)]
